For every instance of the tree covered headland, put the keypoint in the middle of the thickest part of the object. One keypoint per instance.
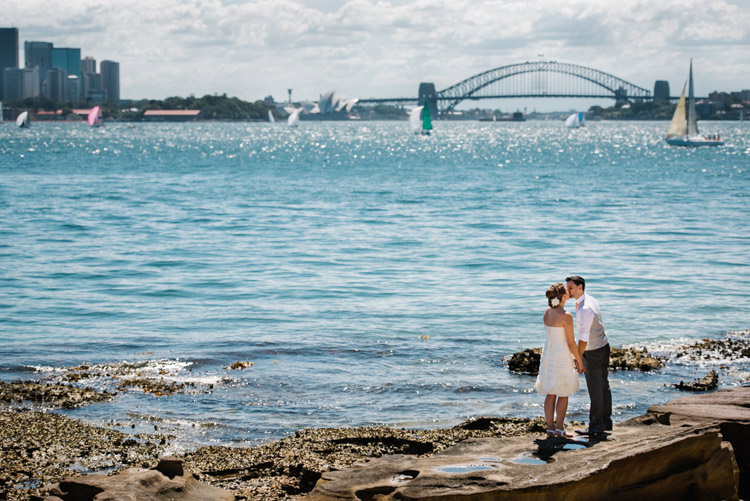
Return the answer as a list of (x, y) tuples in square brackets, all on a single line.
[(718, 106), (212, 107)]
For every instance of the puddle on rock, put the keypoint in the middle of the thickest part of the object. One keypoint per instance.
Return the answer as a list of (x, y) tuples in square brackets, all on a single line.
[(529, 460), (572, 447)]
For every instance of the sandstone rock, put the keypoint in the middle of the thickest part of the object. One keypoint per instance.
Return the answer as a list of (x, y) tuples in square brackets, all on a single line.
[(729, 409), (137, 484), (645, 458)]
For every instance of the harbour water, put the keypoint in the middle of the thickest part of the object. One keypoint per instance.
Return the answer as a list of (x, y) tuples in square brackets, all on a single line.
[(365, 275)]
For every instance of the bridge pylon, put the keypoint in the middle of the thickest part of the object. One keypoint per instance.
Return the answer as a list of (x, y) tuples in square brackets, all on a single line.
[(427, 94)]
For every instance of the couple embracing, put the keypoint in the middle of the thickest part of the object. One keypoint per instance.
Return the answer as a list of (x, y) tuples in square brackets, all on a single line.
[(563, 360)]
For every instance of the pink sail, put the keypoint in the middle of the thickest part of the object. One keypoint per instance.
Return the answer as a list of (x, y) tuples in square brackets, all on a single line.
[(94, 119)]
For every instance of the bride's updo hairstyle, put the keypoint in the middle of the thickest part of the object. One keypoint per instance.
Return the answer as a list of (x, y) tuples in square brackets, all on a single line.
[(555, 294)]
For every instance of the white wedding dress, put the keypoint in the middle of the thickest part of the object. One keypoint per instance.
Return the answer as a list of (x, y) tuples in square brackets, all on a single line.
[(557, 369)]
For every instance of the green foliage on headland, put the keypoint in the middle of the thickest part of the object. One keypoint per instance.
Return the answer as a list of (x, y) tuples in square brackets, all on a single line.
[(212, 107), (721, 106)]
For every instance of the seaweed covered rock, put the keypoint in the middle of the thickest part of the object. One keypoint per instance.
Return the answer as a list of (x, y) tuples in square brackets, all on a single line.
[(633, 359), (51, 395), (709, 382), (526, 361), (629, 359), (735, 345)]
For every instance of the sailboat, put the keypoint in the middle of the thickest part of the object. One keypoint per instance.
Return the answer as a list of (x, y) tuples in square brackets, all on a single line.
[(683, 131), (23, 119), (576, 120), (1, 112), (426, 122), (293, 120), (415, 120), (94, 118), (270, 117)]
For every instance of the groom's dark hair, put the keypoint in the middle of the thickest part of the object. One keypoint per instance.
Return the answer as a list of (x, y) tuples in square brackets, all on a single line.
[(578, 280)]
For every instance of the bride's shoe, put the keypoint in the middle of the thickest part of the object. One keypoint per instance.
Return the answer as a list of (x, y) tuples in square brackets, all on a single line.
[(550, 433)]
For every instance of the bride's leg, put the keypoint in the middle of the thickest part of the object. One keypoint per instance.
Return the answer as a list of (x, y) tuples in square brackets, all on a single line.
[(549, 411), (561, 408)]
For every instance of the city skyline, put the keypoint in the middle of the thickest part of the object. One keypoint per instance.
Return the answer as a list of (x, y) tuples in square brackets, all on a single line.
[(365, 48)]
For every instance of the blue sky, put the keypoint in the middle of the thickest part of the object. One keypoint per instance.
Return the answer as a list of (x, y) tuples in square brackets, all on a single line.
[(384, 48)]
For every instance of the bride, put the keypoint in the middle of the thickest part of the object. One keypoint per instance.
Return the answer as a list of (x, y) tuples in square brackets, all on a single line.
[(561, 363)]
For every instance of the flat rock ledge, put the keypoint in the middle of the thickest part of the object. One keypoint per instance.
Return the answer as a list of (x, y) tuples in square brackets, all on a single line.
[(691, 448), (167, 482)]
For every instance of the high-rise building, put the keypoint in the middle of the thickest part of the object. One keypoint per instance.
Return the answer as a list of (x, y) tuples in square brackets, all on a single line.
[(56, 85), (8, 52), (38, 55), (73, 89), (88, 65), (661, 90), (20, 83), (110, 72), (67, 59), (90, 82)]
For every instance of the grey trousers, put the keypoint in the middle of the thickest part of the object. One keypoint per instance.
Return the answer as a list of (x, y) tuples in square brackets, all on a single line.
[(596, 363)]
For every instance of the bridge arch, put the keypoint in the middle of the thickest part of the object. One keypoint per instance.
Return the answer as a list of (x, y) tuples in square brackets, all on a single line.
[(598, 84)]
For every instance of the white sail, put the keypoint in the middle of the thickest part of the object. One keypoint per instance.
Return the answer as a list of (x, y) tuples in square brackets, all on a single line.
[(678, 127), (415, 119), (270, 117), (692, 126), (23, 119), (683, 130), (575, 120), (293, 120), (1, 112)]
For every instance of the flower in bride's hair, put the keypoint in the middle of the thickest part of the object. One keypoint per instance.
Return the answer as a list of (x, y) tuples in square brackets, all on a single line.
[(555, 301)]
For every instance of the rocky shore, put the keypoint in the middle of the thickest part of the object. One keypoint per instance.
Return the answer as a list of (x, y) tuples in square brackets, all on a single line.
[(42, 448), (39, 447)]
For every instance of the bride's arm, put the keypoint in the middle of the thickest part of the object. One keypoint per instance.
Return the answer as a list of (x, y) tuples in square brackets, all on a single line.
[(570, 339)]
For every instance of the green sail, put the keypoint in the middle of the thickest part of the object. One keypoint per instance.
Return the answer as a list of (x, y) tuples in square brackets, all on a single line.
[(426, 122)]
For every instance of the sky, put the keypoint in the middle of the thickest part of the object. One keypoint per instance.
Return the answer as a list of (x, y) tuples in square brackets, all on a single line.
[(385, 48)]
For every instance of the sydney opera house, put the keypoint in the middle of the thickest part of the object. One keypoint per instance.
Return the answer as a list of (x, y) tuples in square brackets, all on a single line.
[(329, 107)]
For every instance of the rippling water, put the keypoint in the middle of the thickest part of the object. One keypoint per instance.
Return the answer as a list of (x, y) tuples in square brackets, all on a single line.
[(369, 275)]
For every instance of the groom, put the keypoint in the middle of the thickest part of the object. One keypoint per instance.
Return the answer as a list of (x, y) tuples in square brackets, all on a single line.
[(593, 346)]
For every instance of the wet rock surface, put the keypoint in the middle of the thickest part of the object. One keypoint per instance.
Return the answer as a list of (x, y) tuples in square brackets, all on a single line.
[(707, 383), (633, 359), (735, 345), (526, 361), (40, 448), (50, 395)]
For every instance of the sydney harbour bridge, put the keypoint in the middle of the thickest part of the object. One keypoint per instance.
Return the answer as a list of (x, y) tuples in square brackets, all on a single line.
[(525, 80)]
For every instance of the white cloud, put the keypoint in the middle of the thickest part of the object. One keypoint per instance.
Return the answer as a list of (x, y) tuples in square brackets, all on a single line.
[(382, 48)]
